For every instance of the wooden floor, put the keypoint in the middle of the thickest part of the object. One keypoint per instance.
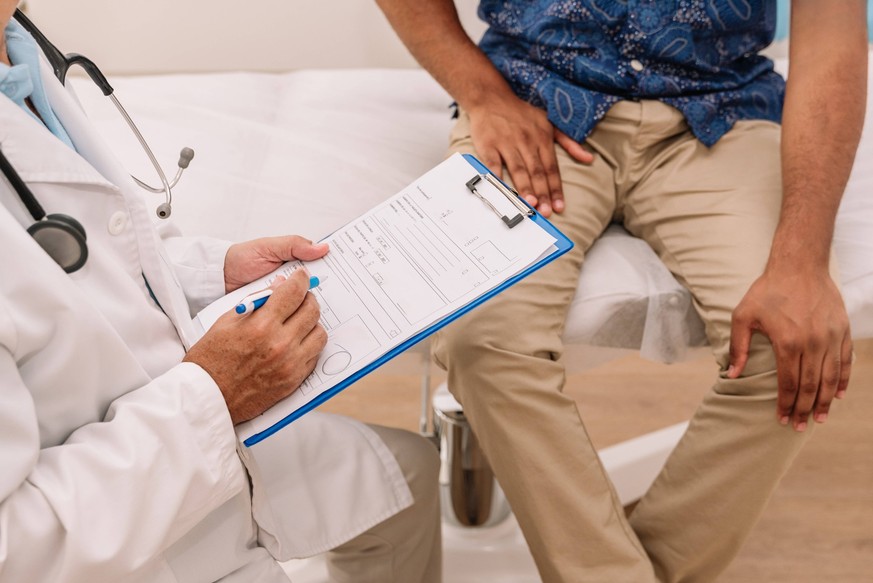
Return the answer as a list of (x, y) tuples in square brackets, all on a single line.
[(819, 523)]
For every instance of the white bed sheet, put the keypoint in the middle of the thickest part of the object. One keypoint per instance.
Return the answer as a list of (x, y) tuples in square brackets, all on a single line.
[(306, 151)]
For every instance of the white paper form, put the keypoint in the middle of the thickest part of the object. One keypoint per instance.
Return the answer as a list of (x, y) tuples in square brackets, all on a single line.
[(398, 269)]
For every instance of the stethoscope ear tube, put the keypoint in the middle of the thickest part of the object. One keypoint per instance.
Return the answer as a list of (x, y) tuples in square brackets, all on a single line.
[(55, 57), (93, 71), (61, 63)]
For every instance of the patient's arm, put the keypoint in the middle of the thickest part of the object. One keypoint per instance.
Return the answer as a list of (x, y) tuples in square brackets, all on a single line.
[(506, 130), (795, 302)]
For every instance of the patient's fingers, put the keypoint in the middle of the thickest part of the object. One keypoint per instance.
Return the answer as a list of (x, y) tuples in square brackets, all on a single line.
[(490, 157), (741, 339), (830, 380), (534, 174), (812, 365), (788, 378), (847, 358), (517, 167), (573, 147)]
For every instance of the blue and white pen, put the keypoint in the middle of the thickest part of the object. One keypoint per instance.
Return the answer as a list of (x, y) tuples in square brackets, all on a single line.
[(252, 302)]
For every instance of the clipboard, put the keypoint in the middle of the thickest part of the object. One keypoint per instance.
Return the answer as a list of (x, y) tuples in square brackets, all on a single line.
[(479, 173)]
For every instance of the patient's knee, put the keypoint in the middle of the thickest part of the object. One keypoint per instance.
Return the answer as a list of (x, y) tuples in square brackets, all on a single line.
[(457, 346), (473, 343)]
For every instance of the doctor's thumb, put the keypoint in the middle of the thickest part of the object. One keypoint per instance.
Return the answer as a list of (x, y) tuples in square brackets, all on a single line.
[(304, 249)]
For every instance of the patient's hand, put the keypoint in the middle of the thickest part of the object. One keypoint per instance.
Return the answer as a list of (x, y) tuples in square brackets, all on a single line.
[(246, 262), (259, 358), (507, 131), (803, 315)]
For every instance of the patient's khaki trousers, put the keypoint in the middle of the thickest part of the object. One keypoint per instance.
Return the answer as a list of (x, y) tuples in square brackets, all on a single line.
[(710, 215)]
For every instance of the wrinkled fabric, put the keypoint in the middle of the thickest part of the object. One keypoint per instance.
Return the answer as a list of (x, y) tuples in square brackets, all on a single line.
[(576, 59)]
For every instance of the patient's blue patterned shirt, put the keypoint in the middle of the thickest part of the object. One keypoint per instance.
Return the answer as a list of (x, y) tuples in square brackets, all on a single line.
[(576, 58)]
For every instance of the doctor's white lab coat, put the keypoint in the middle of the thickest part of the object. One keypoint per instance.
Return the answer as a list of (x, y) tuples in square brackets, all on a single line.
[(118, 462)]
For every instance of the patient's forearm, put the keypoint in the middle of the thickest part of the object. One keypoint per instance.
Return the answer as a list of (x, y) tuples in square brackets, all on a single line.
[(822, 121), (433, 34)]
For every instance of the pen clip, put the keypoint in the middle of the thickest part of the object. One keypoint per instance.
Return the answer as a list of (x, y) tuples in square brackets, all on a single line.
[(523, 210)]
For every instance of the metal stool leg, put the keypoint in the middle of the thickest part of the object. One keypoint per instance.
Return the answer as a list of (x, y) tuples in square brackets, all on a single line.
[(469, 493)]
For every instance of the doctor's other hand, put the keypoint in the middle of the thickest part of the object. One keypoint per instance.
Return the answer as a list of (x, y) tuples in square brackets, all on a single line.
[(259, 358), (246, 262), (509, 132)]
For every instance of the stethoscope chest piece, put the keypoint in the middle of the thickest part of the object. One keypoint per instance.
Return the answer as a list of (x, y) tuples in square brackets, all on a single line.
[(63, 238)]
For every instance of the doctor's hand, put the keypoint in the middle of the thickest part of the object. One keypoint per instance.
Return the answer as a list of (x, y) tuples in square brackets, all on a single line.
[(246, 262), (508, 131), (804, 317), (259, 358)]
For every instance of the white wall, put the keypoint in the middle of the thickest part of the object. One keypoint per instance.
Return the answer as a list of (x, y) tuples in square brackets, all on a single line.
[(148, 36)]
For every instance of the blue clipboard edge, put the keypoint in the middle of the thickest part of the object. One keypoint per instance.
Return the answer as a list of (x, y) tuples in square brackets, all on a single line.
[(563, 245)]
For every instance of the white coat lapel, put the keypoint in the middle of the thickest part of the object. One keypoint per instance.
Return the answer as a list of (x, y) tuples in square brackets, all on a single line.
[(88, 143), (37, 155), (156, 265)]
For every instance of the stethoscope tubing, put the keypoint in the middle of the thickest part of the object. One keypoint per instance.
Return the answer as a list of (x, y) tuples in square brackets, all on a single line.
[(21, 188), (61, 64), (62, 237)]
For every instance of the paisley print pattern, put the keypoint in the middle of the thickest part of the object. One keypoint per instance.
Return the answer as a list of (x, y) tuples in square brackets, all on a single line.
[(576, 58)]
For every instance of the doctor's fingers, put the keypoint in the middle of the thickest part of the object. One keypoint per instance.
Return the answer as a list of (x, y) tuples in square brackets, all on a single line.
[(297, 247), (312, 344), (287, 297), (299, 358), (299, 324)]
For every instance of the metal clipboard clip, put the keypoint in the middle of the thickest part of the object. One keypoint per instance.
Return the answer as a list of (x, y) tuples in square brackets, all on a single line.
[(511, 195)]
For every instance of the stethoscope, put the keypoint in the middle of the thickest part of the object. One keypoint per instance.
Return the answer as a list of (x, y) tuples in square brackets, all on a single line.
[(62, 236)]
